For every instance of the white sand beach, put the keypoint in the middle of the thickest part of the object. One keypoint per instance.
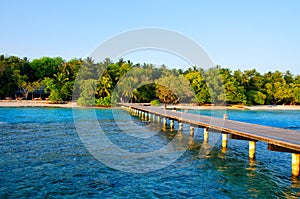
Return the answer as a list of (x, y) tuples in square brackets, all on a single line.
[(43, 103), (237, 107), (33, 103), (273, 107)]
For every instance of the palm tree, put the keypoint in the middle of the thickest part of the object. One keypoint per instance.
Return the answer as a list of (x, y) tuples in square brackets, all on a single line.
[(104, 85)]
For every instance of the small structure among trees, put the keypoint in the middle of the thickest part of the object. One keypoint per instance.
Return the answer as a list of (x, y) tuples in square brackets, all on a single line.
[(39, 94)]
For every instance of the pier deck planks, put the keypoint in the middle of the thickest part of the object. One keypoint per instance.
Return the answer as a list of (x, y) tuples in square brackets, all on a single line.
[(285, 138)]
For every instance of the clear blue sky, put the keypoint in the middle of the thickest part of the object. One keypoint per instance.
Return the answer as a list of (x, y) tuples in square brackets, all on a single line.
[(236, 34)]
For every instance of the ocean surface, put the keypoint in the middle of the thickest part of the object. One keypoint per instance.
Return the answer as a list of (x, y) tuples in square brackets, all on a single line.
[(42, 155)]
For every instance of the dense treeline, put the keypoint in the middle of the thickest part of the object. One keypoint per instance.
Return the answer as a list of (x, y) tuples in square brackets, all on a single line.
[(122, 80)]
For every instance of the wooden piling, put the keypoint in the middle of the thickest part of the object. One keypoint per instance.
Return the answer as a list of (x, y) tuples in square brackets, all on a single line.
[(252, 148), (171, 124), (164, 122), (205, 135), (225, 116), (192, 130), (224, 140), (180, 126), (295, 164), (143, 115)]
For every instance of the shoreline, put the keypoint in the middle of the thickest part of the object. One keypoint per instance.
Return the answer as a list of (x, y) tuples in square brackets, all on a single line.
[(32, 103), (239, 107), (274, 107), (43, 103)]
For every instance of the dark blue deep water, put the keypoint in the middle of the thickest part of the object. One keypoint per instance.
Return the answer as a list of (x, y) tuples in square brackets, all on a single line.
[(42, 156)]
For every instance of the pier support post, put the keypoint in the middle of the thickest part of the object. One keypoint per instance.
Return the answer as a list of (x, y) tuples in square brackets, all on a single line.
[(180, 126), (164, 122), (252, 147), (172, 124), (158, 119), (154, 117), (225, 116), (143, 115), (224, 140), (192, 130), (205, 135), (295, 164)]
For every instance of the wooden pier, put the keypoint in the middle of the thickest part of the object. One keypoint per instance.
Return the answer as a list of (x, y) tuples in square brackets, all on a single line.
[(278, 139)]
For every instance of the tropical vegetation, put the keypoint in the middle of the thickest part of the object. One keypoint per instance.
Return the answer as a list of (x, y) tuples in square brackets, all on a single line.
[(108, 82)]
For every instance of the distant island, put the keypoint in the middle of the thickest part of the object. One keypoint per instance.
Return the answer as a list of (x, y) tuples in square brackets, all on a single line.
[(58, 80)]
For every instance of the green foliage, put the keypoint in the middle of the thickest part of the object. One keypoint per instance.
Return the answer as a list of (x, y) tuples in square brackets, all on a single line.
[(60, 87), (145, 93), (294, 92), (103, 101), (55, 96), (46, 66), (155, 102), (203, 96), (165, 95), (256, 98), (99, 83), (173, 89), (87, 93), (214, 81), (104, 85)]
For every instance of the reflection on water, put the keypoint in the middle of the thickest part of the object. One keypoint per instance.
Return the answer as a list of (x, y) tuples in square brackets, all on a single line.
[(45, 157), (252, 164)]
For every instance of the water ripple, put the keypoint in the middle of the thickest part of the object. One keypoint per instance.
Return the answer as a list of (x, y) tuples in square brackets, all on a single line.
[(42, 156)]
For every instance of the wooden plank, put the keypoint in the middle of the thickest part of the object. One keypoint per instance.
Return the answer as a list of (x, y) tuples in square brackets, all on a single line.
[(237, 137), (273, 147)]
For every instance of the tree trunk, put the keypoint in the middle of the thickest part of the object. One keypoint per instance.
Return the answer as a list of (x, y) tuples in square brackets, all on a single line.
[(165, 106)]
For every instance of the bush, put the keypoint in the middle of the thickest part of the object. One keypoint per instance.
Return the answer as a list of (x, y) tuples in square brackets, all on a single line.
[(55, 96), (86, 99), (155, 102), (87, 93), (105, 101), (256, 97)]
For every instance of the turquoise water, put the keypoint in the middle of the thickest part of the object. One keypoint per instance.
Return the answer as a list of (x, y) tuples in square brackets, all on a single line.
[(42, 156)]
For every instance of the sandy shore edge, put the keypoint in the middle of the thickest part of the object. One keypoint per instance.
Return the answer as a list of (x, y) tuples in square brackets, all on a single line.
[(238, 107), (29, 103)]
